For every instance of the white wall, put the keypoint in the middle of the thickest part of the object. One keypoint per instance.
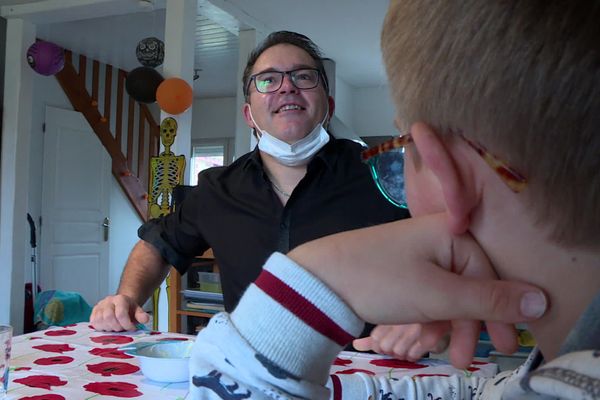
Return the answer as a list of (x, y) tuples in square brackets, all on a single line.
[(124, 223), (121, 33), (372, 112), (343, 101), (16, 132), (214, 118)]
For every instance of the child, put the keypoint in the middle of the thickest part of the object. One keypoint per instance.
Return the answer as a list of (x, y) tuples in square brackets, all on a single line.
[(512, 85)]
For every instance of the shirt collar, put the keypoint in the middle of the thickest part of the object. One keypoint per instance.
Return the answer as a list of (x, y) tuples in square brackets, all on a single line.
[(253, 159), (328, 153)]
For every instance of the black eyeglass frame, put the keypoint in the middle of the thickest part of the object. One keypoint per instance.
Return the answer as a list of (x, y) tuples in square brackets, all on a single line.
[(283, 73)]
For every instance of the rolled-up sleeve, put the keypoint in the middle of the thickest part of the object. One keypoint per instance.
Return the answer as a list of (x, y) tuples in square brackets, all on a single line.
[(177, 236)]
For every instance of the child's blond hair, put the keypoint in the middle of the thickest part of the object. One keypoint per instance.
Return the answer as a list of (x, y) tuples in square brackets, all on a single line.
[(520, 77)]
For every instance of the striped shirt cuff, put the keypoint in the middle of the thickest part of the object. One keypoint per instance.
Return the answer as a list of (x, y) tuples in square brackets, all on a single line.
[(294, 320)]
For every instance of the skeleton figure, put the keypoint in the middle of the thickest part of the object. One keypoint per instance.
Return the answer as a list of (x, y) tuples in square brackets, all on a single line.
[(166, 171)]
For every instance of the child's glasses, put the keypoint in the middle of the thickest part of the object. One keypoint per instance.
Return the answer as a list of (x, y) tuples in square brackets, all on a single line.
[(386, 162)]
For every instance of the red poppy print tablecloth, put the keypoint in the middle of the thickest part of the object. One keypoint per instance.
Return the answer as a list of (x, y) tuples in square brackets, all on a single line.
[(349, 362), (76, 362)]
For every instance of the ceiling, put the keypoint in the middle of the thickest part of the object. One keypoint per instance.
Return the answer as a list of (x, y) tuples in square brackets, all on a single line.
[(346, 30)]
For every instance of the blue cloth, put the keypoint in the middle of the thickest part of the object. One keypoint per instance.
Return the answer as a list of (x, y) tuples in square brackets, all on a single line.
[(60, 308)]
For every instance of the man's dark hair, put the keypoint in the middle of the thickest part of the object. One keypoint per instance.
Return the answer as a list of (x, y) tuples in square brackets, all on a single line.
[(285, 37)]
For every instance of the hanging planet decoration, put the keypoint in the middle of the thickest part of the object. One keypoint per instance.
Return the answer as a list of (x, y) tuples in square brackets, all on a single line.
[(174, 95), (46, 58), (141, 84), (150, 52)]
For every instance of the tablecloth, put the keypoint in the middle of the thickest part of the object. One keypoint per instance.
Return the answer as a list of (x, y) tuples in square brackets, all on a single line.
[(76, 362)]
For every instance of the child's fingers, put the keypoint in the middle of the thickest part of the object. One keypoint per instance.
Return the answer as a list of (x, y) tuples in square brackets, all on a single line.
[(363, 344), (503, 336), (463, 342)]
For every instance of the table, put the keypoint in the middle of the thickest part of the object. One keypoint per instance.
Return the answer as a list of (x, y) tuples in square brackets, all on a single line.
[(77, 363)]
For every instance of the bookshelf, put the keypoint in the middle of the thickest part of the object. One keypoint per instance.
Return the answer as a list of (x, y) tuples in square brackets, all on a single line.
[(177, 310)]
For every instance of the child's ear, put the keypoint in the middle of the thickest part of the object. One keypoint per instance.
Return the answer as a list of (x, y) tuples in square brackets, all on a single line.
[(438, 159)]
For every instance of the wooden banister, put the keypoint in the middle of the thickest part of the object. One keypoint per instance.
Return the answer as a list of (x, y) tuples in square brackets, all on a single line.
[(133, 181)]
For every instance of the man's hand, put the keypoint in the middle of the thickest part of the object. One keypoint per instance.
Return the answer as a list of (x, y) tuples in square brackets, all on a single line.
[(144, 271), (117, 313)]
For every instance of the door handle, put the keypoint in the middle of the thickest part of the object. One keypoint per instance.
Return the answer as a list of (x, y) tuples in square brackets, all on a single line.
[(106, 226)]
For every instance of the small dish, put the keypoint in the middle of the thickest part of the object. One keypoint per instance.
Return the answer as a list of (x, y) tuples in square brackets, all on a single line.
[(163, 361)]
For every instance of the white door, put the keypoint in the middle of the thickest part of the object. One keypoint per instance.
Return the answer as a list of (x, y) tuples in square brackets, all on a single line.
[(75, 203)]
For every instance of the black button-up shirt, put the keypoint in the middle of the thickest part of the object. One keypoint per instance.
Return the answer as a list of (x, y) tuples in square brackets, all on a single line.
[(235, 211)]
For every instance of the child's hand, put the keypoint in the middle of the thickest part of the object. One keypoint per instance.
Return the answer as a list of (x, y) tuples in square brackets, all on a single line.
[(409, 271), (406, 342)]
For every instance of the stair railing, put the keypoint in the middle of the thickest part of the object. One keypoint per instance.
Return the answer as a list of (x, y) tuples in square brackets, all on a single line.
[(136, 135)]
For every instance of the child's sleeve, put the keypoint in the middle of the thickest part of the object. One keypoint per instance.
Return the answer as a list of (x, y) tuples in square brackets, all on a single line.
[(363, 386), (281, 341)]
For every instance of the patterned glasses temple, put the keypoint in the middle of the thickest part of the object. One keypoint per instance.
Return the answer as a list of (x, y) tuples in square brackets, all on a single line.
[(395, 143), (511, 177)]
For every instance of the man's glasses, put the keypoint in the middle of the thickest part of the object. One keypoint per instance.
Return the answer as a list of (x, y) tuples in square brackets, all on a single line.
[(271, 81), (386, 162)]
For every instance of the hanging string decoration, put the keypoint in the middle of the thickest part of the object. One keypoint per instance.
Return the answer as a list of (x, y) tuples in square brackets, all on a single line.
[(174, 96), (141, 84), (46, 58), (150, 52)]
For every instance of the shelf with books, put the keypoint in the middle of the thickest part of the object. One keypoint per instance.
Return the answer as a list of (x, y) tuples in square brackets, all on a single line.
[(202, 301), (178, 293), (201, 295), (204, 307)]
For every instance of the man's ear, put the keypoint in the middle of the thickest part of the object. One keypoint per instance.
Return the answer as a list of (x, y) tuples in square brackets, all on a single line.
[(331, 103), (435, 156), (246, 112)]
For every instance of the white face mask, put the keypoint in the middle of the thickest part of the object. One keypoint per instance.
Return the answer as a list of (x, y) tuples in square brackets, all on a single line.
[(299, 153)]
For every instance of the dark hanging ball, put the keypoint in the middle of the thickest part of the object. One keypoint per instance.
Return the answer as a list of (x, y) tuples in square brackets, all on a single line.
[(150, 52), (141, 84)]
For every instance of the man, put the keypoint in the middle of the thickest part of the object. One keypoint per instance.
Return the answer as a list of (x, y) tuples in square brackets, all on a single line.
[(299, 184), (499, 104)]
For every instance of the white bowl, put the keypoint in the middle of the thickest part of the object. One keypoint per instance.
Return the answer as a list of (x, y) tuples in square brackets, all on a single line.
[(166, 361)]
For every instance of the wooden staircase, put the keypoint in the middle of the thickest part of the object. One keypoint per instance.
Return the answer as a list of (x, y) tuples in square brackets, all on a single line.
[(131, 152)]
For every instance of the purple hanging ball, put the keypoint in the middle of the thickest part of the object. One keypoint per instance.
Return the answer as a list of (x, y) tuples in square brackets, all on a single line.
[(46, 58)]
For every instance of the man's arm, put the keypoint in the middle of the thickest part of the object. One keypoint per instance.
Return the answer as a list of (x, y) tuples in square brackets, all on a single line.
[(144, 271)]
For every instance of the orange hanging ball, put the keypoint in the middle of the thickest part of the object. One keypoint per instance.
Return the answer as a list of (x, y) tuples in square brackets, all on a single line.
[(174, 95)]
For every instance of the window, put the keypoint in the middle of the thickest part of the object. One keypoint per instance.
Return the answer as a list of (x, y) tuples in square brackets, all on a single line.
[(208, 154)]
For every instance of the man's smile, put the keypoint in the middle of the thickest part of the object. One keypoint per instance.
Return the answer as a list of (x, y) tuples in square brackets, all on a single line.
[(289, 107)]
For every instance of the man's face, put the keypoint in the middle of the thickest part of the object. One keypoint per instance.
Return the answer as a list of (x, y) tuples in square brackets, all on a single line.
[(271, 111)]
